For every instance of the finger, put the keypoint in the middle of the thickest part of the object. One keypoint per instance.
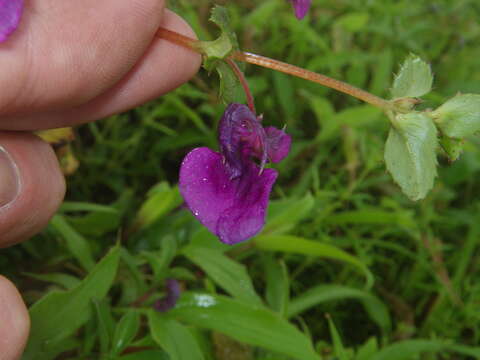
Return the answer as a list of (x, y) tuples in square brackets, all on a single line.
[(31, 186), (14, 321), (65, 53), (164, 67)]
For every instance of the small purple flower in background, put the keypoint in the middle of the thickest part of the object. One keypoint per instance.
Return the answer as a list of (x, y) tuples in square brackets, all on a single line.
[(301, 7), (170, 299), (227, 191), (10, 12)]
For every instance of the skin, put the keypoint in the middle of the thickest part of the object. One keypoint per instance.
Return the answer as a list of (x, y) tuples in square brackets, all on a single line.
[(71, 62)]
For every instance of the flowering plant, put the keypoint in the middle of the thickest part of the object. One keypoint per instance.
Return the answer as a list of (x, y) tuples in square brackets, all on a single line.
[(227, 191)]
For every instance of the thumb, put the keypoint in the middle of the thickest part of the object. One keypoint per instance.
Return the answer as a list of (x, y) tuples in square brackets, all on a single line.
[(14, 321), (31, 186)]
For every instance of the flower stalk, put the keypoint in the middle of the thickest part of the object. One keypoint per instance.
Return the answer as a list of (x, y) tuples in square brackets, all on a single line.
[(243, 82), (286, 68)]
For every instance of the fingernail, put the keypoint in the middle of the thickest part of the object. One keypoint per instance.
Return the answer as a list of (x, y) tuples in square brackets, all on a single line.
[(9, 178)]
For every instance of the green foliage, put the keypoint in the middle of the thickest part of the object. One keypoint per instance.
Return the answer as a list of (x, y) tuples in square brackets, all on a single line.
[(292, 244), (229, 274), (216, 51), (335, 217), (377, 310), (410, 154), (460, 116), (176, 339), (244, 322), (413, 80), (58, 315)]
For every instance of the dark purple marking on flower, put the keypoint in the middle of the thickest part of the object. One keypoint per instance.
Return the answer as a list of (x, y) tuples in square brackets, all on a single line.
[(10, 13), (301, 7), (228, 191), (170, 299)]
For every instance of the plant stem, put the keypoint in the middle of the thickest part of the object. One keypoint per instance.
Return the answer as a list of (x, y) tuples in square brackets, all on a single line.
[(312, 76), (282, 67), (243, 81), (178, 39)]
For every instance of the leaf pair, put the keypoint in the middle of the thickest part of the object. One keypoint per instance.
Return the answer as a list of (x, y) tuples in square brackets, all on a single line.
[(410, 151)]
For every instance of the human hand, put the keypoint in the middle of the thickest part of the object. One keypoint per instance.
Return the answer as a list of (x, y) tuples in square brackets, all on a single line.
[(70, 62)]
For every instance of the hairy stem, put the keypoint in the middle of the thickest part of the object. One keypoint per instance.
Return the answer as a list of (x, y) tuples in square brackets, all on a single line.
[(312, 76), (285, 68)]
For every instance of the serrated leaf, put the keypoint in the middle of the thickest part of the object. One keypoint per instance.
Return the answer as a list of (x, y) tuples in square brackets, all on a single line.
[(414, 78), (460, 116), (220, 48), (410, 154), (220, 17)]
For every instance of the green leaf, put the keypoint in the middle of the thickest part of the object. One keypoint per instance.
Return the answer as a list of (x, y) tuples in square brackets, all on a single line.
[(60, 313), (376, 309), (220, 48), (230, 87), (410, 154), (105, 324), (146, 355), (340, 350), (174, 338), (254, 325), (452, 147), (227, 273), (65, 280), (161, 199), (160, 260), (460, 116), (297, 245), (76, 243), (367, 350), (125, 332), (283, 215), (407, 349), (354, 21), (277, 284), (414, 78)]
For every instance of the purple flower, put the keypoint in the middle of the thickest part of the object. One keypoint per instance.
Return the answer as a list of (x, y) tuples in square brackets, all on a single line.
[(301, 7), (170, 299), (227, 191), (10, 12)]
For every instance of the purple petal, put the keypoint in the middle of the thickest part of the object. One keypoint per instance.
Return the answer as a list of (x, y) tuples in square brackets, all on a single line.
[(278, 144), (301, 7), (170, 299), (10, 12), (241, 135), (232, 209)]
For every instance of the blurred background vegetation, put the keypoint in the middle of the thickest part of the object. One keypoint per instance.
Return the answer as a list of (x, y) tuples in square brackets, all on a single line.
[(335, 213)]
